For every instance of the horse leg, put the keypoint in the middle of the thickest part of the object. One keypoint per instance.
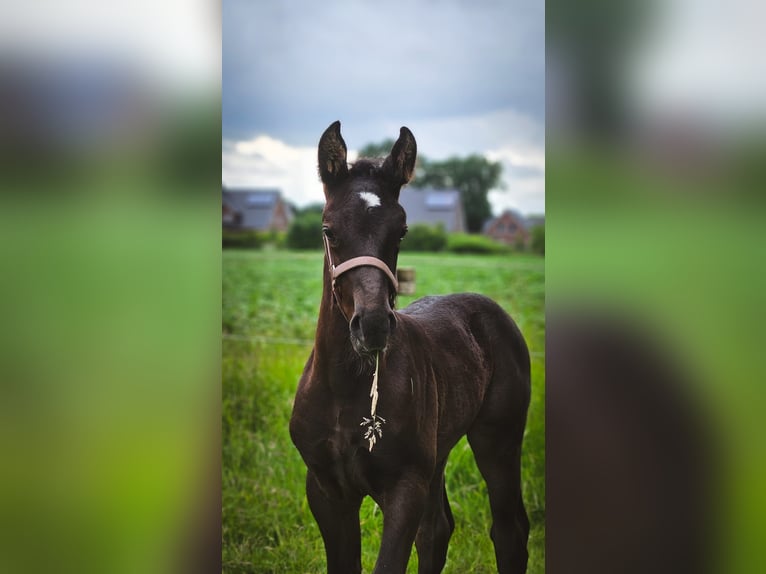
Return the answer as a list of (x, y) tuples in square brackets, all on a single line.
[(338, 521), (403, 506), (498, 456), (436, 527)]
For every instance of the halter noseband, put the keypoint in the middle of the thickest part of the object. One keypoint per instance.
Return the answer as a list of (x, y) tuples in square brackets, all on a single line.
[(363, 261)]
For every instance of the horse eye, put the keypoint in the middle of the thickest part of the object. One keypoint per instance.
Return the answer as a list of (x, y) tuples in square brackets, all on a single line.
[(404, 232), (328, 233)]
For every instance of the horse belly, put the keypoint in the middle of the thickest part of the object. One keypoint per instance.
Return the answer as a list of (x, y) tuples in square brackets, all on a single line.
[(462, 376), (461, 396)]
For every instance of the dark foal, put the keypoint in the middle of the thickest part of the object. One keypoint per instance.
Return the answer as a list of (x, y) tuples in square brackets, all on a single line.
[(447, 366)]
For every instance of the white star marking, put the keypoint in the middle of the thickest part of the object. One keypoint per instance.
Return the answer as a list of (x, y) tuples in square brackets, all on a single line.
[(370, 199)]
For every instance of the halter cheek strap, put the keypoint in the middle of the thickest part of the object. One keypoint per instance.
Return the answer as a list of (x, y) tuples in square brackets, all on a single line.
[(363, 261)]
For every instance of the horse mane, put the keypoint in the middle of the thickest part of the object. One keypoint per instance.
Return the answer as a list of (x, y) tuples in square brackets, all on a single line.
[(366, 167)]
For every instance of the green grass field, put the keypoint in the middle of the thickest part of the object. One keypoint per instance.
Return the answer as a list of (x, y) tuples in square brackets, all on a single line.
[(270, 306)]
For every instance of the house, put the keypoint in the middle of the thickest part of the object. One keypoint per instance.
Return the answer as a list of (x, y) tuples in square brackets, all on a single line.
[(434, 206), (255, 210), (512, 228)]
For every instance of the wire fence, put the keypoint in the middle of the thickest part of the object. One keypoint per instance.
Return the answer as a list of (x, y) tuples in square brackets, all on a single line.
[(300, 342), (268, 340)]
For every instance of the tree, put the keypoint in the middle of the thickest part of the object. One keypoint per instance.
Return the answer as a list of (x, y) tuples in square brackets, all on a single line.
[(377, 149), (310, 208), (472, 176)]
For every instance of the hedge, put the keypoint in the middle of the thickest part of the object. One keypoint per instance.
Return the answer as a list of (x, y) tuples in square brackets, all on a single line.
[(422, 237), (231, 239), (241, 239), (305, 231), (469, 243), (538, 239)]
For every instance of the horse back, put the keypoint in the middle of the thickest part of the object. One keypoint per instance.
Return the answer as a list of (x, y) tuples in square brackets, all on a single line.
[(469, 321), (476, 351)]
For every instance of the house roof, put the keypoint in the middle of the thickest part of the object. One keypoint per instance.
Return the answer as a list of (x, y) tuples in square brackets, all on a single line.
[(253, 197), (255, 205), (525, 222), (433, 206)]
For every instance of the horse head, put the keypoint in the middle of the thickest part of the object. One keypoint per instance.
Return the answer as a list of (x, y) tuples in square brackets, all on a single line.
[(363, 225)]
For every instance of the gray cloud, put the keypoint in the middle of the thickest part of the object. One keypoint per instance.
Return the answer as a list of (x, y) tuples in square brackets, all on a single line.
[(291, 68), (466, 77)]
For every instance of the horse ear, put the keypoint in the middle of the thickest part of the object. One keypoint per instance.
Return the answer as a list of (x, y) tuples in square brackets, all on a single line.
[(400, 163), (332, 155)]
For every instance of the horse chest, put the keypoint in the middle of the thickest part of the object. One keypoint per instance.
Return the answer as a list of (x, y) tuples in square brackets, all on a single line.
[(340, 453), (328, 431)]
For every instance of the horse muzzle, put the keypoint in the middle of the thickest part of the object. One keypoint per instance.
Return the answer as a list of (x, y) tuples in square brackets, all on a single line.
[(371, 329)]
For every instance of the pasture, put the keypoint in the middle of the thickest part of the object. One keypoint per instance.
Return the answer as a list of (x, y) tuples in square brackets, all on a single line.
[(269, 313)]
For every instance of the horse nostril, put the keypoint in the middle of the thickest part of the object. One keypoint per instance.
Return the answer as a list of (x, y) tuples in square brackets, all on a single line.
[(355, 324)]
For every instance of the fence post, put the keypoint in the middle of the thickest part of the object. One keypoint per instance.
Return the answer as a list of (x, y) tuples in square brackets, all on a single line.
[(406, 278)]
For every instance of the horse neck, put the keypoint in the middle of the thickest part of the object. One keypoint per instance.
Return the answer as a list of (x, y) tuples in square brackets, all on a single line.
[(335, 361)]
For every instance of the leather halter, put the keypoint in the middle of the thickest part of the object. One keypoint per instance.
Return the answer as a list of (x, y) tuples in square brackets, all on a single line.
[(363, 261)]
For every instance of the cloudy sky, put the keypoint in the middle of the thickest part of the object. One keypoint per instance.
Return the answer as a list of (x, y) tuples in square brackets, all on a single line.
[(465, 77)]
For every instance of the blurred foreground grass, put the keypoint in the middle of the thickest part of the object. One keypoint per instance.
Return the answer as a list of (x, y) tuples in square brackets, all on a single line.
[(108, 418), (679, 259)]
